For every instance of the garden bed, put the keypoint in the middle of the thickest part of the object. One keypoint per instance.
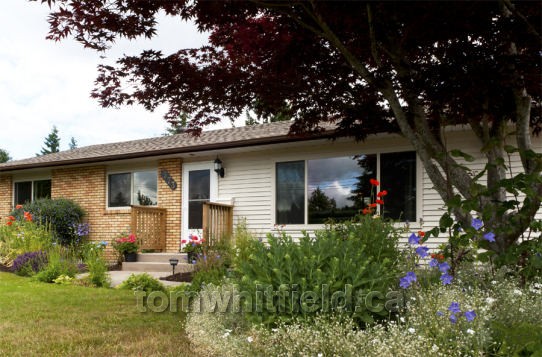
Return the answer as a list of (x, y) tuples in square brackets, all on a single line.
[(5, 268), (184, 277)]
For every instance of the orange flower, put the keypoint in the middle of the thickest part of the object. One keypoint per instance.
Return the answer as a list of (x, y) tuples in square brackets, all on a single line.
[(28, 216), (9, 223), (380, 202), (366, 211), (372, 205), (11, 218), (18, 206), (382, 193), (374, 182), (421, 234)]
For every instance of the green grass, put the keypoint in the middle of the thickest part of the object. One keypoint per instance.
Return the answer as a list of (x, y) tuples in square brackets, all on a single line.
[(66, 320)]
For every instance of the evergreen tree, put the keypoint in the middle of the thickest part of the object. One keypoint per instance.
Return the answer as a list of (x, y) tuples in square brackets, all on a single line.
[(178, 126), (73, 143), (4, 156), (52, 143)]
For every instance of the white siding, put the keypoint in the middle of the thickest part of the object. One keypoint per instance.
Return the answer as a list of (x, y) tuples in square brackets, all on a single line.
[(250, 178)]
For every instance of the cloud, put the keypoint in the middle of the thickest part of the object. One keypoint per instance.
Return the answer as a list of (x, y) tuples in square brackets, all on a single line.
[(43, 83)]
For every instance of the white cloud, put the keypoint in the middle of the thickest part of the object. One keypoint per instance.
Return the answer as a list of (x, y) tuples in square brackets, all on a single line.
[(43, 83)]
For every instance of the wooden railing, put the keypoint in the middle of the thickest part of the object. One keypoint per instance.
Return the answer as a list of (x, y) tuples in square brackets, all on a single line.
[(149, 226), (217, 222)]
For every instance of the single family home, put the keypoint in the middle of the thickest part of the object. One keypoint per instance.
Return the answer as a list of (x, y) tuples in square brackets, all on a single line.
[(167, 188)]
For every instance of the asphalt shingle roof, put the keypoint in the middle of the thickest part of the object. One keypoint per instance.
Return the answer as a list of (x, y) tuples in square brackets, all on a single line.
[(164, 145)]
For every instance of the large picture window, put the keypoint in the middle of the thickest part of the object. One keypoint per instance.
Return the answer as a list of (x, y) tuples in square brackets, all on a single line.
[(133, 188), (27, 191), (338, 188)]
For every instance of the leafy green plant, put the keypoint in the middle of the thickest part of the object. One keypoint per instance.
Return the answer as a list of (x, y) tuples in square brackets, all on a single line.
[(28, 264), (351, 258), (126, 243), (97, 266), (63, 215), (22, 236), (142, 282), (61, 262)]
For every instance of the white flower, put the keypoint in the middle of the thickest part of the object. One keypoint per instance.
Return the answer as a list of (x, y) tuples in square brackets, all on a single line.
[(411, 330), (250, 339), (412, 298), (320, 355), (434, 348), (521, 309), (490, 300), (494, 282), (226, 334), (470, 331), (402, 319), (517, 292)]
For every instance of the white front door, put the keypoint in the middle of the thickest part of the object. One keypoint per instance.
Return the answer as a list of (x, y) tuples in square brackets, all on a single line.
[(200, 184)]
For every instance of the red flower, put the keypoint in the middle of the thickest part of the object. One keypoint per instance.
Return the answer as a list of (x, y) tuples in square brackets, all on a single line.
[(366, 211), (372, 205), (421, 234), (195, 238), (18, 206), (382, 193), (183, 241), (11, 218), (380, 202), (9, 223), (374, 182)]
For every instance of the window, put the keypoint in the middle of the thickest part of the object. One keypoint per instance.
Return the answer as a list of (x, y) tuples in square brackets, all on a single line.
[(199, 191), (133, 188), (338, 188), (27, 191), (290, 192)]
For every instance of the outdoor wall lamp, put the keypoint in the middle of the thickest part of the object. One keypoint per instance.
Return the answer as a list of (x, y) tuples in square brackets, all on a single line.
[(218, 167), (173, 263)]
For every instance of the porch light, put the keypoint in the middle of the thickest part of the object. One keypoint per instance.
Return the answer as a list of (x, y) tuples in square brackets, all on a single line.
[(173, 263), (218, 167)]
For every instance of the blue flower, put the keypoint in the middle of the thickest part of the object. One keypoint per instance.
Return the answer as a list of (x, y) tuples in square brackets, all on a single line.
[(470, 315), (413, 239), (446, 279), (476, 223), (422, 251), (454, 307), (440, 313), (444, 267), (490, 237), (407, 280), (404, 283), (433, 263), (453, 318)]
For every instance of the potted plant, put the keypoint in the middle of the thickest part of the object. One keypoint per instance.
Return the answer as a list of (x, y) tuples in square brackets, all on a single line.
[(127, 246), (193, 247)]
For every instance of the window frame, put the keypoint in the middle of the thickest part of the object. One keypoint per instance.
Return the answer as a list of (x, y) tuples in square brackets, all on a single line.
[(32, 193), (305, 159), (131, 172)]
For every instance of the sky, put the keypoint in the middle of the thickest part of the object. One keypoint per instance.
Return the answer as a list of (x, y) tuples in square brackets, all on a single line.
[(45, 83)]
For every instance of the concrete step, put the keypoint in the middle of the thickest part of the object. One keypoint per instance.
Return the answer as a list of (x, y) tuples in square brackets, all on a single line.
[(161, 257), (156, 267)]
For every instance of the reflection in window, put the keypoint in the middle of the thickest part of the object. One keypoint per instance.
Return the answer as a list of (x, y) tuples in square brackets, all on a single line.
[(42, 189), (339, 187), (199, 191), (23, 192), (138, 188), (290, 200), (145, 190), (398, 177)]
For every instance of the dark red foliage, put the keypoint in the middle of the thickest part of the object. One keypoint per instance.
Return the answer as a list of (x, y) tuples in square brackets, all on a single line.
[(269, 56)]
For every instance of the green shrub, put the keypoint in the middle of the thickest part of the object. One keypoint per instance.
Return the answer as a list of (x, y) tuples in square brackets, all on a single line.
[(142, 282), (28, 264), (352, 259), (61, 262), (62, 214), (97, 266)]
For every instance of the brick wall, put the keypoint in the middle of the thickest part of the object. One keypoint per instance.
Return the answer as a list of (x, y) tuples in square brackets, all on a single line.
[(6, 195), (171, 200)]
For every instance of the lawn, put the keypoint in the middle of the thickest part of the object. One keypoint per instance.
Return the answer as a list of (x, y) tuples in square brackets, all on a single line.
[(66, 320)]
